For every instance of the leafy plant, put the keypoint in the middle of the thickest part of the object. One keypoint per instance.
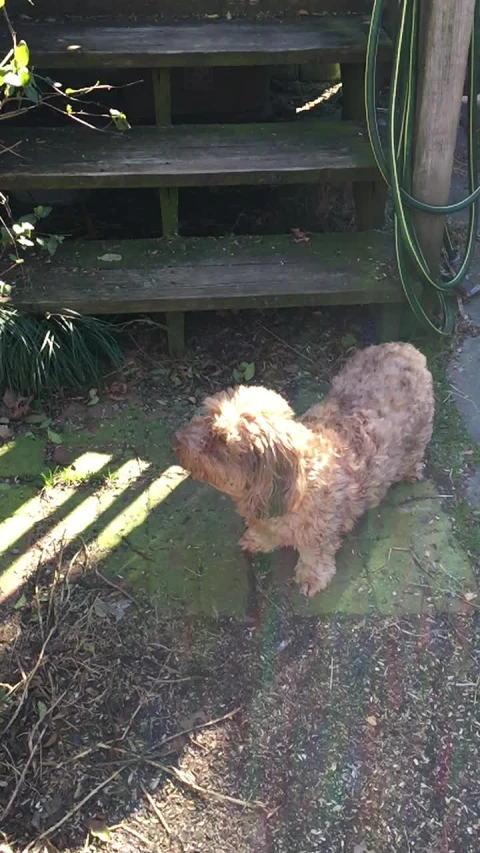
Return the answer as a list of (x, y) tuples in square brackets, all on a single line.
[(244, 372), (53, 351)]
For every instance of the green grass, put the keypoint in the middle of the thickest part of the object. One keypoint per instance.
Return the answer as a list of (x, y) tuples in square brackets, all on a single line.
[(40, 354)]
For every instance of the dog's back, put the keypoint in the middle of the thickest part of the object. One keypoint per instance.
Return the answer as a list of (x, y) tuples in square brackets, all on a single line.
[(381, 406)]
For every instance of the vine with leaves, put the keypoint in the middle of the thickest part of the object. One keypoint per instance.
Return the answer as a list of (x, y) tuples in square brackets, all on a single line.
[(45, 342)]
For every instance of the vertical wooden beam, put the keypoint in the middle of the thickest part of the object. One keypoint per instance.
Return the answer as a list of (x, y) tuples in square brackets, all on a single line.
[(445, 31), (369, 196), (163, 116), (168, 204)]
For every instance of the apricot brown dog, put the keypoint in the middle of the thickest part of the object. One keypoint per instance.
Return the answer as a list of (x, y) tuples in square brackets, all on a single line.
[(304, 483)]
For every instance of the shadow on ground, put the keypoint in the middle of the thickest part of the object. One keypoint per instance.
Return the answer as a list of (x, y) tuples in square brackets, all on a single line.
[(162, 692)]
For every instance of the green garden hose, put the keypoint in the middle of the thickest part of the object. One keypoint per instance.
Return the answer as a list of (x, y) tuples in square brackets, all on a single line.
[(396, 162)]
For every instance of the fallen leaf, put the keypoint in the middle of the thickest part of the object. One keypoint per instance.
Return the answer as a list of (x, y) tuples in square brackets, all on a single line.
[(93, 397), (300, 235), (100, 608), (228, 16), (54, 437), (469, 596), (348, 341), (51, 741), (99, 829), (372, 721), (248, 371), (9, 399), (212, 17), (109, 257), (5, 432), (360, 848), (42, 709), (117, 390), (18, 406), (303, 12)]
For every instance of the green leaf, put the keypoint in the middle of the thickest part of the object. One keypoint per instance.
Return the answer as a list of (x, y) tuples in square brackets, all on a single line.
[(54, 437), (21, 55), (120, 120), (99, 829), (249, 371), (21, 602), (348, 341), (31, 94), (42, 709), (69, 109), (25, 76), (237, 375), (93, 397), (12, 79), (42, 211), (5, 289)]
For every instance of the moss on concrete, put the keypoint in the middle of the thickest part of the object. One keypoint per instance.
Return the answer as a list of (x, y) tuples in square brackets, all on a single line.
[(24, 457)]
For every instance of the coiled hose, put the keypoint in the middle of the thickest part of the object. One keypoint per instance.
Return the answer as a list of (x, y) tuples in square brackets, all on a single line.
[(395, 162)]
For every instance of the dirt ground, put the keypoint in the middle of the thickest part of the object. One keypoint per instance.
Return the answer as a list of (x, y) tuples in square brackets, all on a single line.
[(183, 699)]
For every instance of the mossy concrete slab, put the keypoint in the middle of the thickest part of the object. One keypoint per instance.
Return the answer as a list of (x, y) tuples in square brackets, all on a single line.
[(176, 540), (20, 510), (402, 558), (23, 457)]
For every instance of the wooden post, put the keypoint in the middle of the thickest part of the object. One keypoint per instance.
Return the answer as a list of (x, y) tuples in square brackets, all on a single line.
[(169, 205), (369, 196), (445, 31)]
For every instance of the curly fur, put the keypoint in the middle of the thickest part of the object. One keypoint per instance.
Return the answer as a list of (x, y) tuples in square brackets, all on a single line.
[(304, 483)]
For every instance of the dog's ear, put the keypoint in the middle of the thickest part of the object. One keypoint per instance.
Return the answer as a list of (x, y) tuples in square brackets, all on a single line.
[(279, 475)]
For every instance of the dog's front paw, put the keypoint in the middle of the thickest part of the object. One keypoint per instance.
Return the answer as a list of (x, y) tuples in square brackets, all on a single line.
[(256, 542), (312, 579)]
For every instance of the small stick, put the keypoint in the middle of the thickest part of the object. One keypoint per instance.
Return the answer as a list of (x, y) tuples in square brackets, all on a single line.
[(197, 728), (157, 811), (33, 750), (287, 345), (135, 833), (206, 792), (116, 586), (28, 680), (78, 806)]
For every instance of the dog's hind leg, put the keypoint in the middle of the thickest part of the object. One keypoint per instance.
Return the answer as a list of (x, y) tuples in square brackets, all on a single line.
[(314, 570)]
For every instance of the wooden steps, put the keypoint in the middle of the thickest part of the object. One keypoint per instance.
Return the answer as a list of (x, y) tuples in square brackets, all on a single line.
[(177, 156), (174, 274), (135, 276), (213, 43)]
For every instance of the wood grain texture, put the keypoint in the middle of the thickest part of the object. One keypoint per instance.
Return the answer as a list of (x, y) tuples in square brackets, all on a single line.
[(207, 43), (217, 155), (205, 273)]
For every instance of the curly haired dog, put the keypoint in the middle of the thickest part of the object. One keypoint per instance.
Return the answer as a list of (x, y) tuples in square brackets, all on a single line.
[(304, 483)]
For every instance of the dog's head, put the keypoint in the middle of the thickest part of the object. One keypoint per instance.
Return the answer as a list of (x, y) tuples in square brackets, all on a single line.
[(246, 443)]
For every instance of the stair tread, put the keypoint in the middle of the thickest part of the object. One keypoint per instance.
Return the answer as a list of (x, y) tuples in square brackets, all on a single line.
[(323, 39), (135, 276), (222, 155)]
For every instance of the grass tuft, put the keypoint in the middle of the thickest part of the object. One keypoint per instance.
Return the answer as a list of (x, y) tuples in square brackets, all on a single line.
[(39, 354)]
